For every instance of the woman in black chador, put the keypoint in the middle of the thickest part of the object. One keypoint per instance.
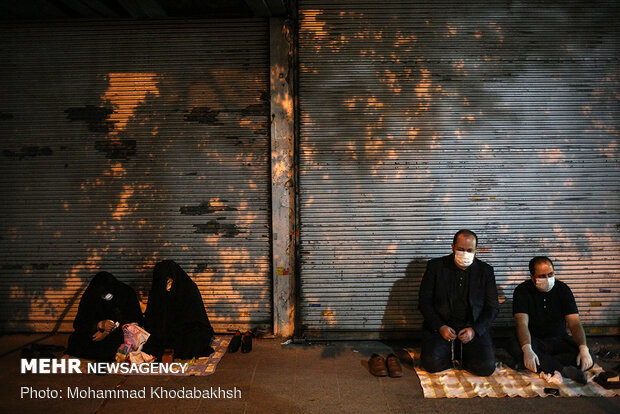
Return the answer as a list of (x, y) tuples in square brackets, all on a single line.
[(106, 305), (175, 315)]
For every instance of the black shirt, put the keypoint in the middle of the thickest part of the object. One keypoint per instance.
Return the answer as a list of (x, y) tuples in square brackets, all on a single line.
[(460, 311), (546, 311)]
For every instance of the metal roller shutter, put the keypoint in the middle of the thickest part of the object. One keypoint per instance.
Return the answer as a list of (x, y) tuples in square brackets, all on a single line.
[(127, 142), (421, 118)]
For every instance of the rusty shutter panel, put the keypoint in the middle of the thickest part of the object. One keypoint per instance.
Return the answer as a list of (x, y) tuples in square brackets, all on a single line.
[(421, 118), (127, 142)]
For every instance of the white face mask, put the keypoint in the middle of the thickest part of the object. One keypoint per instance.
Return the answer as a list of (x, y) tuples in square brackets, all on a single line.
[(545, 285), (463, 259)]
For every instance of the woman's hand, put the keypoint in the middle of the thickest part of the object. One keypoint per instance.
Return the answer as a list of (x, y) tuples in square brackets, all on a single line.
[(99, 336)]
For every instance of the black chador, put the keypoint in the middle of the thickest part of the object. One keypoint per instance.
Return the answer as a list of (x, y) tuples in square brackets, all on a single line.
[(105, 299), (175, 315)]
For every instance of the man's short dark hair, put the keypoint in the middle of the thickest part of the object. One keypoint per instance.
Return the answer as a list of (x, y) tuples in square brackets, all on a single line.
[(539, 259), (465, 232)]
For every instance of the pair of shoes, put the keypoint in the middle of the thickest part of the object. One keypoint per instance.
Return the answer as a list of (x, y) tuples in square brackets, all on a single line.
[(241, 340), (575, 374), (381, 367)]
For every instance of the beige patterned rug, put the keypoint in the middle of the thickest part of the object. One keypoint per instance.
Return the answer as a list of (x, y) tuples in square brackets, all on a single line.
[(505, 382)]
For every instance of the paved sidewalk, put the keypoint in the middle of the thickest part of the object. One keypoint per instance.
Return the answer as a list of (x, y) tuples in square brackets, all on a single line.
[(273, 378)]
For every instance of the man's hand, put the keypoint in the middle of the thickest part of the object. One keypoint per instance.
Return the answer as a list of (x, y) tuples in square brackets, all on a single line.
[(447, 333), (530, 359), (466, 335), (98, 336), (584, 359)]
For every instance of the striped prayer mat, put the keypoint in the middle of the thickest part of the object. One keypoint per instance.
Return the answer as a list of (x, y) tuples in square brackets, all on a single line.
[(505, 382), (196, 366)]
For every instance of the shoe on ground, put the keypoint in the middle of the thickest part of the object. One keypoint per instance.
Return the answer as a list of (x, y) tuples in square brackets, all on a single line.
[(377, 366), (235, 342), (246, 342), (575, 374), (395, 370)]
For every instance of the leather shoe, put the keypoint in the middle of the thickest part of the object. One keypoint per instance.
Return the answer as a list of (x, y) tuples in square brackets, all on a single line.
[(246, 342), (235, 342), (376, 365), (393, 365)]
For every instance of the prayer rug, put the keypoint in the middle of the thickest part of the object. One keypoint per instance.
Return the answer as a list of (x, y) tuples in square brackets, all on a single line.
[(196, 366), (505, 382)]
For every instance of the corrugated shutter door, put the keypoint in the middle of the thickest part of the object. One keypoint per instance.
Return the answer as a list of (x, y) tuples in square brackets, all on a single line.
[(128, 142), (418, 119)]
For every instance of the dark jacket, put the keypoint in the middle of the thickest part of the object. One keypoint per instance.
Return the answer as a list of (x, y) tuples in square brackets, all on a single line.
[(434, 302)]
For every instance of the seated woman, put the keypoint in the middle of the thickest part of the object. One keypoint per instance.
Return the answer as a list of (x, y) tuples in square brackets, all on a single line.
[(175, 315), (106, 305)]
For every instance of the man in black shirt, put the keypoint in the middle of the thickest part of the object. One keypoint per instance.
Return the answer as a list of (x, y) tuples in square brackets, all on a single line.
[(458, 299), (542, 308)]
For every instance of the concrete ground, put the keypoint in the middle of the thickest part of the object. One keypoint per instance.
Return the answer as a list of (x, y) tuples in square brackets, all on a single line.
[(275, 378)]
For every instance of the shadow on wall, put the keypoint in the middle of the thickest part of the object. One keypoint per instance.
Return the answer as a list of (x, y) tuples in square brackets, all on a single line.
[(402, 317)]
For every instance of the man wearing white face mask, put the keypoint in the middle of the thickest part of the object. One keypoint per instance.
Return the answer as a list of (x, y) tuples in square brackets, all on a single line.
[(458, 299), (542, 308)]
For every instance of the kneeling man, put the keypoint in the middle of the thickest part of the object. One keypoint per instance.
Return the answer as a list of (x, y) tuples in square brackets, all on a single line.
[(542, 307), (458, 299)]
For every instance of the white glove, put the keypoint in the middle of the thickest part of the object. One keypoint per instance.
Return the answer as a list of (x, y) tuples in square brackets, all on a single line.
[(530, 359), (584, 359)]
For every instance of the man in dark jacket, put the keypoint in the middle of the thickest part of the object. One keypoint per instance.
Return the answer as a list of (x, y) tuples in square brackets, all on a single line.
[(458, 299)]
